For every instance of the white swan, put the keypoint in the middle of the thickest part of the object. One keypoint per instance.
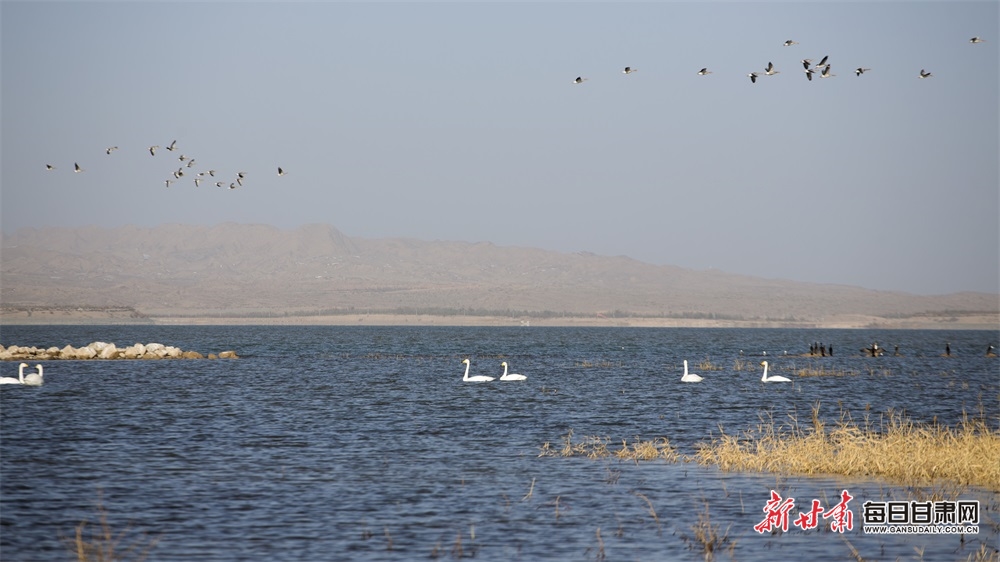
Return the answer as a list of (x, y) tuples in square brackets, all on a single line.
[(764, 377), (512, 376), (477, 378), (34, 379), (689, 377), (18, 380)]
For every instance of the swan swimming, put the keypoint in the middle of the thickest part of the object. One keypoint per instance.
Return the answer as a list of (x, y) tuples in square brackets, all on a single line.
[(477, 378), (764, 377), (34, 379), (12, 380), (689, 377), (512, 376)]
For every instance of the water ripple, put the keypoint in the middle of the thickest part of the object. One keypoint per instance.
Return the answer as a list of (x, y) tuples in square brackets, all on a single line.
[(363, 444)]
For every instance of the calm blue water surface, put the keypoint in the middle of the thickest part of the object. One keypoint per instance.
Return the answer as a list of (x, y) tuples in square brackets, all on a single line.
[(363, 443)]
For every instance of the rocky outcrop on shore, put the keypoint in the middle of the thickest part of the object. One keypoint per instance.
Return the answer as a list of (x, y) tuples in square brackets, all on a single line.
[(104, 350)]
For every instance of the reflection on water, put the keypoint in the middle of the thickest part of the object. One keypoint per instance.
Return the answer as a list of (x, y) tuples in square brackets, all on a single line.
[(363, 443)]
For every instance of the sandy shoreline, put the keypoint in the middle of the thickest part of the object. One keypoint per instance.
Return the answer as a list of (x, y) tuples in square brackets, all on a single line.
[(984, 322)]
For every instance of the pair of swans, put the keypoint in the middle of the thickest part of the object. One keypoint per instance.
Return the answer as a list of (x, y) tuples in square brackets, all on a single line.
[(484, 378), (33, 379), (691, 377)]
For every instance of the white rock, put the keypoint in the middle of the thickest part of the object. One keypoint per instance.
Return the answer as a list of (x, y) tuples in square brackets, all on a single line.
[(110, 351)]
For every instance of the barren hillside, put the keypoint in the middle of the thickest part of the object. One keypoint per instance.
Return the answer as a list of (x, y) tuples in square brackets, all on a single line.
[(247, 270)]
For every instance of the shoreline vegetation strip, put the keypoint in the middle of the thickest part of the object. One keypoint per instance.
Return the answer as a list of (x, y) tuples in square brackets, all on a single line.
[(892, 447)]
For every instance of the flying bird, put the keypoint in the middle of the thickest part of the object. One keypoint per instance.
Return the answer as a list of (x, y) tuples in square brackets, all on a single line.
[(704, 72), (806, 63), (219, 184), (753, 77), (809, 73), (111, 149), (826, 72), (152, 149), (232, 186), (197, 182), (77, 168), (924, 74), (50, 167), (859, 71), (789, 43), (173, 146), (168, 182), (179, 173), (977, 40), (629, 70), (579, 80), (769, 69), (280, 171), (822, 61)]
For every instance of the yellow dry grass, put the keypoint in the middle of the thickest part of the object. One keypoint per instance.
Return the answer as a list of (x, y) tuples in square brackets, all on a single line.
[(893, 448), (594, 447), (896, 449), (823, 372), (105, 545)]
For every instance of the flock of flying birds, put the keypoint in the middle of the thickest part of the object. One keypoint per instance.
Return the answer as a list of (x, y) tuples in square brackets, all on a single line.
[(186, 163), (823, 67)]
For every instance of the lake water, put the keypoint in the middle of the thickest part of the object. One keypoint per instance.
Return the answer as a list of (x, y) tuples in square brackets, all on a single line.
[(363, 443)]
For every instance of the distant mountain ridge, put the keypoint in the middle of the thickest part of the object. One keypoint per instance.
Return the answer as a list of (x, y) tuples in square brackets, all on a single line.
[(247, 269)]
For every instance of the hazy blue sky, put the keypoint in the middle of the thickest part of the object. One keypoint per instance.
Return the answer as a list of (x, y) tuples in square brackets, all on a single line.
[(461, 122)]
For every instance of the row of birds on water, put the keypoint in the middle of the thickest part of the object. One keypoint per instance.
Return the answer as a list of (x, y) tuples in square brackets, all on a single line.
[(823, 67), (186, 163), (31, 379), (874, 351), (36, 379), (687, 377)]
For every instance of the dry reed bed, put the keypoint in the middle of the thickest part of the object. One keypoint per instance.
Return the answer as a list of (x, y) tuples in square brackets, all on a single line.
[(598, 447), (895, 449)]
